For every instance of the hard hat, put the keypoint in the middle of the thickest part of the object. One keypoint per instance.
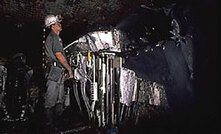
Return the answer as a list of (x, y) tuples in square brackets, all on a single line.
[(51, 19)]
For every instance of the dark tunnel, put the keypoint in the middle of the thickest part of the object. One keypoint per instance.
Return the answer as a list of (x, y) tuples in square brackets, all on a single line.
[(171, 46)]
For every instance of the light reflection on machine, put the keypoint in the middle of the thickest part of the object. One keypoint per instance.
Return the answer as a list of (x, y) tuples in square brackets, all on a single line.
[(111, 99), (97, 59)]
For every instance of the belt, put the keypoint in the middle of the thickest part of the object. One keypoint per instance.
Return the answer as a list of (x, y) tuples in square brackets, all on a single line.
[(56, 65)]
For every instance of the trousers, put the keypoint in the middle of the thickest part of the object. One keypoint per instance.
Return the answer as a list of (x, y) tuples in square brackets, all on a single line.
[(54, 101)]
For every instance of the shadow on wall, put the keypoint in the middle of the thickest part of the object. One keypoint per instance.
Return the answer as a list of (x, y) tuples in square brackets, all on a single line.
[(180, 59)]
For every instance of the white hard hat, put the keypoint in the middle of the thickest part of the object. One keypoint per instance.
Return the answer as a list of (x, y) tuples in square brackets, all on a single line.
[(51, 19)]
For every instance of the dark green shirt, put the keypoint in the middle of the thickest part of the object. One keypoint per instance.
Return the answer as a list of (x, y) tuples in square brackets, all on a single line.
[(53, 44)]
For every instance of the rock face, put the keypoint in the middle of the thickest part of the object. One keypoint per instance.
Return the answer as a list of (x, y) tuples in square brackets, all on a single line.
[(94, 11)]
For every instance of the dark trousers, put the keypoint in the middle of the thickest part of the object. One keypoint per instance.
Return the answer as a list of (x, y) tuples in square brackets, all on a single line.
[(54, 102), (54, 116)]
